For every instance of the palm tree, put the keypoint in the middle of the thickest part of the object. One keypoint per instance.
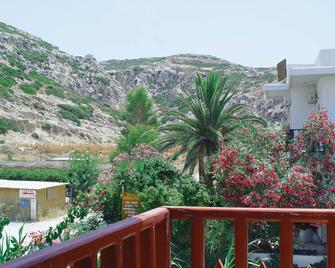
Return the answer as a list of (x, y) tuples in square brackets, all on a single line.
[(198, 133)]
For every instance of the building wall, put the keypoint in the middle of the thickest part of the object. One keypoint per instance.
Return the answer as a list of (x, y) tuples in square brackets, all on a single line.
[(49, 201), (10, 198), (326, 94), (300, 108)]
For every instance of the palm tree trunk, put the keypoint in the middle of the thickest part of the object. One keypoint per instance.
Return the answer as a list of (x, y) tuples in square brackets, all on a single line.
[(201, 163)]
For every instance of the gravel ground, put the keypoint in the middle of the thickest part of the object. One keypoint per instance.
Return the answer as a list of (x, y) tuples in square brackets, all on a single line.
[(13, 227)]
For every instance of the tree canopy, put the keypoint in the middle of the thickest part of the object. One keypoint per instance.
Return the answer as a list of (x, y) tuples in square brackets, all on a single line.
[(139, 108), (211, 117)]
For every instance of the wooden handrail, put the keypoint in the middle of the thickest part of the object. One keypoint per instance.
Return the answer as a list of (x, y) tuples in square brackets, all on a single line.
[(241, 218), (143, 241), (116, 244)]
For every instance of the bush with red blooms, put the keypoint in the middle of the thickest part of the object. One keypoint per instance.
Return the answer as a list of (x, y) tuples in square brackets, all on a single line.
[(257, 169), (247, 181), (314, 148)]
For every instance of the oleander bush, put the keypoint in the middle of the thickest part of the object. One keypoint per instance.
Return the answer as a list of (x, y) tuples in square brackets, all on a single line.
[(256, 171)]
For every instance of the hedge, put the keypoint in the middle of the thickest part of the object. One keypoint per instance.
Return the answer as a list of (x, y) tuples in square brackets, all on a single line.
[(22, 174)]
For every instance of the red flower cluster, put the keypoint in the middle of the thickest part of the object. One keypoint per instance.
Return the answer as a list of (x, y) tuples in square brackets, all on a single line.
[(263, 172), (298, 191), (247, 181), (139, 152)]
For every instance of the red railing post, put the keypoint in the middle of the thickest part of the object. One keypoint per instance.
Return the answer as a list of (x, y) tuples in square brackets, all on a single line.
[(197, 243), (331, 243), (148, 249), (88, 262), (138, 256), (286, 244), (163, 243), (111, 254), (129, 252), (241, 243)]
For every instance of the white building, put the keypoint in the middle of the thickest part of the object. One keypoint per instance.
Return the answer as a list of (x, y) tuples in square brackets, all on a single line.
[(308, 87)]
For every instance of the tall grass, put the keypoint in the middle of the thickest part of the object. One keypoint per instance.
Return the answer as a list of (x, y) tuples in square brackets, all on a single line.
[(94, 149)]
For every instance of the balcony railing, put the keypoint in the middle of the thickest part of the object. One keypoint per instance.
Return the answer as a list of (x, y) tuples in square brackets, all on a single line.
[(143, 241)]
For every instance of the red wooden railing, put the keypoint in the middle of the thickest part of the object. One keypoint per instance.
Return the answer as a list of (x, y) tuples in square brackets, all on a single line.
[(143, 241), (140, 241)]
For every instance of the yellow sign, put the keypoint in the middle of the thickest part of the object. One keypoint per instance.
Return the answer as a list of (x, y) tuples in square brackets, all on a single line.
[(131, 205)]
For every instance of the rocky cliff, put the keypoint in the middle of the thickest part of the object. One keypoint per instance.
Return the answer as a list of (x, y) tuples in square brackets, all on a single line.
[(166, 77), (49, 96)]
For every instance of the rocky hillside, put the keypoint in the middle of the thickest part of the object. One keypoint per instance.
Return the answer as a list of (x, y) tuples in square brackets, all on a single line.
[(166, 77), (49, 96)]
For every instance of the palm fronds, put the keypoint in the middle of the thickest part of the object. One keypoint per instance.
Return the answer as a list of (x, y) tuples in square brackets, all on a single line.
[(211, 116)]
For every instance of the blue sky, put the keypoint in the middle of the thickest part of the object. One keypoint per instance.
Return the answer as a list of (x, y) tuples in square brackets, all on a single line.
[(252, 33)]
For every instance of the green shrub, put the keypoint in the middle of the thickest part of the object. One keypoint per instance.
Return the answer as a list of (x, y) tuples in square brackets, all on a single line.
[(83, 173), (82, 112), (7, 124), (14, 62), (102, 80), (46, 126), (22, 174), (74, 96), (139, 108), (115, 114), (45, 44), (5, 92), (75, 113), (75, 65), (28, 89), (11, 72), (35, 136), (7, 82), (33, 75), (33, 56), (55, 91), (155, 181), (70, 116), (37, 84), (135, 135)]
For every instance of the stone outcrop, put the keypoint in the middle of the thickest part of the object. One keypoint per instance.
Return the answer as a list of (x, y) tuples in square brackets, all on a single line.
[(102, 87)]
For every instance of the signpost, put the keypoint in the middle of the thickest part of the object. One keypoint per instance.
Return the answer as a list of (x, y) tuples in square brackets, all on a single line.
[(131, 205), (27, 193)]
